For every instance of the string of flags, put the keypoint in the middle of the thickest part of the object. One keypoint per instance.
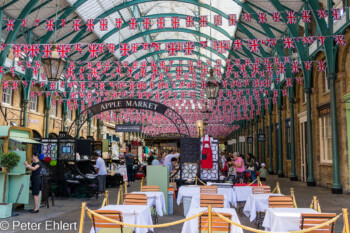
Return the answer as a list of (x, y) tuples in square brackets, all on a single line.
[(175, 22), (172, 48)]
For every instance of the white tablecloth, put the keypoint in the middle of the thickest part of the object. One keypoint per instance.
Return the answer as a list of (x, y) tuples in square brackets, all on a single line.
[(196, 199), (189, 191), (192, 225), (133, 214), (241, 193), (257, 202), (284, 219), (156, 199)]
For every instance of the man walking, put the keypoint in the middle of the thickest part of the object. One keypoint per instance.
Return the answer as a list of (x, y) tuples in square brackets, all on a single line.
[(129, 160)]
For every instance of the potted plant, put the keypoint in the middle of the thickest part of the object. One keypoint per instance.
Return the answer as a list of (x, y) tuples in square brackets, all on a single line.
[(8, 161)]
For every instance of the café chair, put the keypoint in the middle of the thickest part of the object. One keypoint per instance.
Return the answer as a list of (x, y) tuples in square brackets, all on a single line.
[(109, 227), (135, 199), (216, 201), (218, 224), (311, 220), (208, 189), (281, 202), (261, 189), (150, 188)]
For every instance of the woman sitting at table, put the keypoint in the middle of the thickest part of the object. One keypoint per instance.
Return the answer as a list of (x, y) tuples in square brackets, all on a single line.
[(239, 165)]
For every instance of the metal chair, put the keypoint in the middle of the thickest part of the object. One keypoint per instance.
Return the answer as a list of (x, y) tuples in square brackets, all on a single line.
[(218, 224), (109, 227), (311, 220)]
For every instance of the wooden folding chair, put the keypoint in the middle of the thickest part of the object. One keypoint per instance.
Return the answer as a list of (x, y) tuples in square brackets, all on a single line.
[(109, 227), (150, 188), (261, 189), (281, 202), (135, 199), (218, 224), (208, 189), (216, 201), (311, 220)]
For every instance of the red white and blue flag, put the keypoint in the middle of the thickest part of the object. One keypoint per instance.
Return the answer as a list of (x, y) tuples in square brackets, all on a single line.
[(189, 21), (146, 23), (103, 24), (160, 22), (90, 25), (203, 21), (76, 24), (175, 22)]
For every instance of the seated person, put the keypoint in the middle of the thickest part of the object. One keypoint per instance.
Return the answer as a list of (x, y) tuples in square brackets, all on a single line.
[(174, 166)]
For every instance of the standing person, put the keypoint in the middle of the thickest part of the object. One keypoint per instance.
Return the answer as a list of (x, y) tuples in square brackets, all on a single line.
[(263, 173), (251, 163), (129, 159), (101, 173), (157, 160), (35, 180), (239, 165), (167, 159)]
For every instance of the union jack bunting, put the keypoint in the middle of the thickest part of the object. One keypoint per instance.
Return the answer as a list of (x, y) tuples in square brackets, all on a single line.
[(321, 66), (160, 22), (321, 39), (125, 49), (17, 50), (76, 25), (300, 81), (63, 23), (291, 18), (276, 17), (24, 23), (50, 25), (203, 21), (308, 65), (237, 44), (15, 85), (295, 67), (307, 40), (247, 17), (204, 44), (36, 22), (189, 21), (175, 22), (339, 40), (336, 14), (284, 92), (262, 17), (90, 25), (118, 23), (288, 43), (289, 82), (189, 48), (218, 20), (133, 23), (63, 50), (232, 20), (322, 13), (103, 24), (33, 50), (146, 23), (134, 47), (253, 45), (10, 24), (93, 50), (305, 16)]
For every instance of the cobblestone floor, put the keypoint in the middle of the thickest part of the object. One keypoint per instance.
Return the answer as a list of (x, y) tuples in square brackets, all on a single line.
[(67, 210)]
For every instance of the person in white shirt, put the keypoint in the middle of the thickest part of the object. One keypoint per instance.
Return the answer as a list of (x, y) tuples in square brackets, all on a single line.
[(101, 172), (167, 159)]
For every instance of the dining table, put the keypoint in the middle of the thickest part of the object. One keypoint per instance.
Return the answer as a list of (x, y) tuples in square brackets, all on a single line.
[(284, 219), (257, 202), (132, 214), (155, 199)]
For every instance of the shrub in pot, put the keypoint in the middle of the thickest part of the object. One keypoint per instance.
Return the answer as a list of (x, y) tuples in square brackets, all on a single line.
[(8, 161)]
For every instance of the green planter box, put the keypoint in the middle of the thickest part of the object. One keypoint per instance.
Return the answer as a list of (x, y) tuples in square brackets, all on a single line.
[(5, 210)]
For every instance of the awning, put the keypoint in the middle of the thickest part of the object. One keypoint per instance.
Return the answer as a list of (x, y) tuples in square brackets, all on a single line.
[(25, 140)]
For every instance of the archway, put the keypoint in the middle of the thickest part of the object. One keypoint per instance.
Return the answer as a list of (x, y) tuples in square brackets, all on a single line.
[(149, 105)]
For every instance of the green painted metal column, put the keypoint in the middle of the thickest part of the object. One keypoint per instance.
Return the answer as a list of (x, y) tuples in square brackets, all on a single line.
[(310, 168), (25, 112), (280, 155), (89, 127), (347, 107), (336, 188), (293, 175), (256, 138), (47, 115), (263, 131), (252, 135), (271, 172)]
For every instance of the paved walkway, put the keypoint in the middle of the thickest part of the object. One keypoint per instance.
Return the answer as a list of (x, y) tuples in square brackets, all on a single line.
[(67, 210)]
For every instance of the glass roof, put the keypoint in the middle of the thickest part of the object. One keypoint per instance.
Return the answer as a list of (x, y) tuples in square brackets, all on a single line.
[(152, 9)]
